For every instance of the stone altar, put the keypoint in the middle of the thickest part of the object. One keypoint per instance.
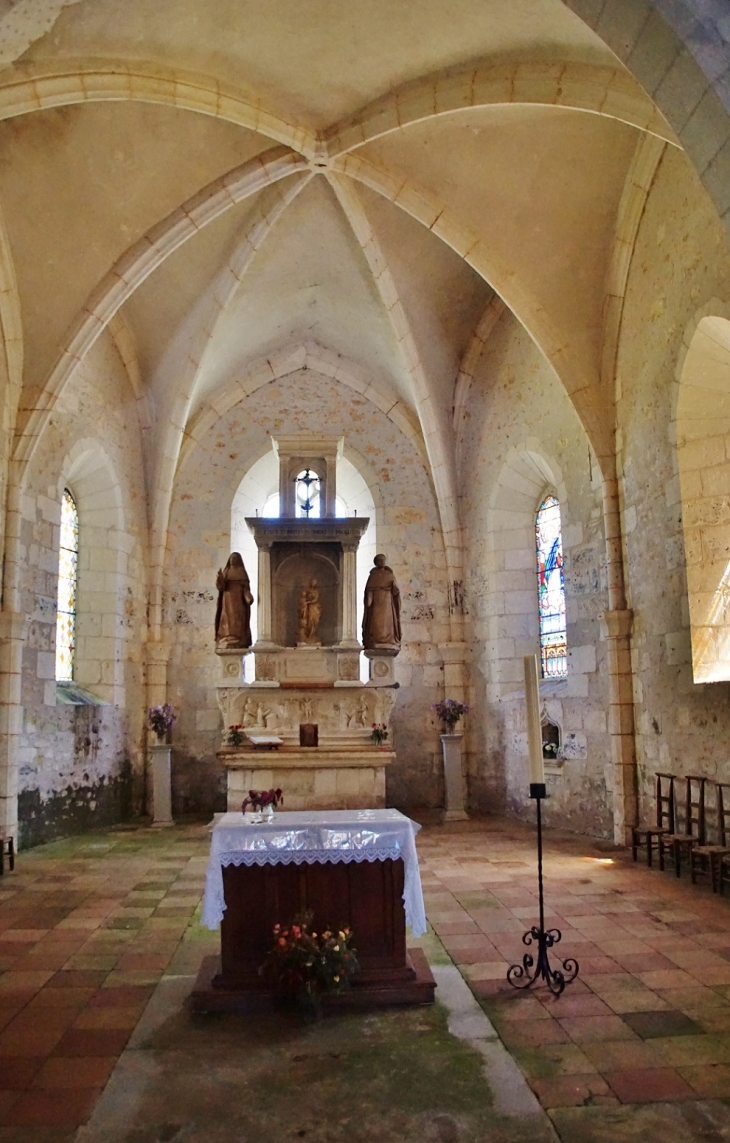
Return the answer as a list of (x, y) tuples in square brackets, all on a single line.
[(307, 654)]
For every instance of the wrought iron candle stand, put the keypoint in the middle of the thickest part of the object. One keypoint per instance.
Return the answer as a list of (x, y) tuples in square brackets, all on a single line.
[(526, 974)]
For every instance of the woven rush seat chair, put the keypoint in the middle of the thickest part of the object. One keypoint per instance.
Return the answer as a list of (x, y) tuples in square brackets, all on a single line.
[(690, 811), (7, 849), (665, 817), (706, 858)]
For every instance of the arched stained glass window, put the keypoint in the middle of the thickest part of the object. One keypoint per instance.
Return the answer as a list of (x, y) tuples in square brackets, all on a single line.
[(68, 570), (551, 589)]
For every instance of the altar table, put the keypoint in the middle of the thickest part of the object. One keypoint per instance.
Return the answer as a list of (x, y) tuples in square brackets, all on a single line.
[(351, 867)]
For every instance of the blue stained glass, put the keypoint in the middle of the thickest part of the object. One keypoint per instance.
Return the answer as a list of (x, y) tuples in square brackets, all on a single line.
[(551, 590), (68, 559)]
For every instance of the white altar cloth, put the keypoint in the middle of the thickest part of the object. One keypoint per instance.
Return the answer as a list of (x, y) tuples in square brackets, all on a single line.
[(312, 836)]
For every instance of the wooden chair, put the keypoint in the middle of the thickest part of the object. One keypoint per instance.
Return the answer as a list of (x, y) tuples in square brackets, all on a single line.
[(665, 816), (706, 858), (693, 818), (7, 849)]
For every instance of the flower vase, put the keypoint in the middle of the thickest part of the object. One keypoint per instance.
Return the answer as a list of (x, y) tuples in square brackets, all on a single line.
[(267, 814), (453, 778)]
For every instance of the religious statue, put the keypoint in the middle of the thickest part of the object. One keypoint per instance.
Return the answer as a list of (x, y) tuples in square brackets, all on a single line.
[(233, 613), (310, 613), (381, 620)]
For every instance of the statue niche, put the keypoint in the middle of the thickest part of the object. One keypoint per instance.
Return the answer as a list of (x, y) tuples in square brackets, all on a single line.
[(306, 595)]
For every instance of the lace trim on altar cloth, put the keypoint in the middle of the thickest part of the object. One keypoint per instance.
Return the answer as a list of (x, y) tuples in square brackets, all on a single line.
[(214, 901)]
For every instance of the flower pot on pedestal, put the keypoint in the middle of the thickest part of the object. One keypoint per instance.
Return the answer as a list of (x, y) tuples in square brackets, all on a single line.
[(453, 779), (159, 760)]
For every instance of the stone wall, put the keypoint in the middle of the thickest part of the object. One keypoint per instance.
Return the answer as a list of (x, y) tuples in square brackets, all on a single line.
[(82, 766), (520, 438), (408, 531), (680, 265)]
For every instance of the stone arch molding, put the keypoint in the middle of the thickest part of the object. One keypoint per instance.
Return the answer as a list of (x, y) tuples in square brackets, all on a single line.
[(104, 586), (527, 474), (702, 431)]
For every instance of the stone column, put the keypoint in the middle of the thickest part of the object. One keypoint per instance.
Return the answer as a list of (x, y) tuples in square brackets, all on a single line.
[(13, 630), (621, 724), (349, 599), (263, 603), (161, 784), (453, 779), (157, 657)]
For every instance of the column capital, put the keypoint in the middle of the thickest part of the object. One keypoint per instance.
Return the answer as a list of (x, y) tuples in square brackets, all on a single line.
[(619, 623)]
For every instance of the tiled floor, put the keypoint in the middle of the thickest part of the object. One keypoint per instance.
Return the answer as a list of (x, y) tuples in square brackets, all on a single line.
[(648, 1018), (88, 928)]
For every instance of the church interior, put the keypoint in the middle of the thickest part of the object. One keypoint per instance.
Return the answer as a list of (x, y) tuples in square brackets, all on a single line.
[(423, 309)]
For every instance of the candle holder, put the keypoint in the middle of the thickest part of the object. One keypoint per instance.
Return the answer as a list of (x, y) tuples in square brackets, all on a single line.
[(526, 974)]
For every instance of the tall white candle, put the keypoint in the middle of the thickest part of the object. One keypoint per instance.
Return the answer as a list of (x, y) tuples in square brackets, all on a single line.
[(534, 729)]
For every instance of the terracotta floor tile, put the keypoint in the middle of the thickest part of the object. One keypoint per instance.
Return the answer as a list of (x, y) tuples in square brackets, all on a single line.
[(666, 978), (108, 1018), (53, 1108), (618, 1055), (61, 998), (523, 1034), (569, 1091), (635, 1000), (687, 1051), (589, 1029), (554, 1059), (19, 1072), (36, 1042), (649, 1085), (77, 1071), (121, 997), (652, 1025), (68, 978), (584, 1004), (91, 1042), (710, 1081)]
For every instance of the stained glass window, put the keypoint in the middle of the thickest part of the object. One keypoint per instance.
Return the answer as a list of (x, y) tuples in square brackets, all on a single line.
[(68, 562), (551, 589), (308, 495)]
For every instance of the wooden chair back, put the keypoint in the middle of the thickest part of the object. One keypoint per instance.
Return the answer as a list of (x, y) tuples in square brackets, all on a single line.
[(693, 807), (665, 802), (721, 823)]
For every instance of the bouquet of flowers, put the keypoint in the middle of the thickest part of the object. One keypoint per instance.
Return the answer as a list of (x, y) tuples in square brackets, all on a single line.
[(260, 799), (450, 711), (234, 736), (302, 964), (379, 733), (161, 719)]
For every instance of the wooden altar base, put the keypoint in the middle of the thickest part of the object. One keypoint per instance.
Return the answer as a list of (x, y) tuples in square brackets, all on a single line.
[(205, 997), (366, 895)]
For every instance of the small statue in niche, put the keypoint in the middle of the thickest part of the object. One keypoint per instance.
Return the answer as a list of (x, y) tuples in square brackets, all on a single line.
[(306, 709), (233, 613), (381, 619), (310, 613), (263, 714)]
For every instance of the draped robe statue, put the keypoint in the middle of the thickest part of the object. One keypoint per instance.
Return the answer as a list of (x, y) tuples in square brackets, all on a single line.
[(310, 613), (233, 613), (381, 620)]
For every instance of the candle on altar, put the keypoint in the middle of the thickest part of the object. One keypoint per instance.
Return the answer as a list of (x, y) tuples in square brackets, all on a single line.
[(534, 729)]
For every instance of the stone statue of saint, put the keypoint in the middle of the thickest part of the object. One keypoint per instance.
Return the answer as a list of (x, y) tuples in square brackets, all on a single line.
[(310, 613), (381, 620), (233, 613)]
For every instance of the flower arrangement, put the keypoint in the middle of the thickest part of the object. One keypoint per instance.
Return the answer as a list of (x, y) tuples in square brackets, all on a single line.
[(260, 799), (234, 736), (161, 719), (450, 711), (379, 733), (302, 964)]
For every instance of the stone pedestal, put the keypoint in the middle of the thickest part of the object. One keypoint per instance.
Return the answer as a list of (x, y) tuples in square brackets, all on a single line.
[(453, 779), (161, 789), (382, 666)]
